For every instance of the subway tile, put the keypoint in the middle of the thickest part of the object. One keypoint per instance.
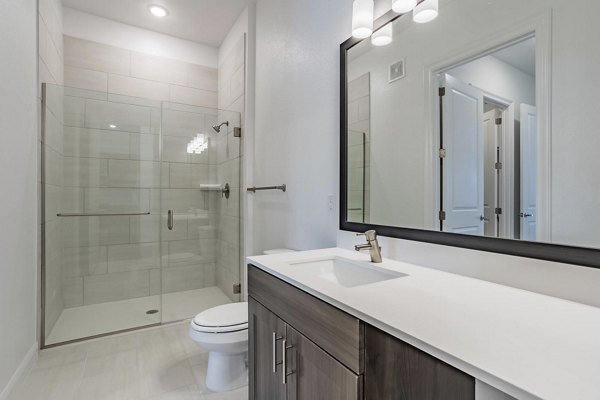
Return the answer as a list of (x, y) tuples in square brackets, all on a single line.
[(133, 174), (84, 261), (144, 147), (201, 77), (72, 292), (135, 87), (195, 97), (74, 111), (126, 117), (132, 257), (95, 231), (155, 282), (182, 278), (183, 123), (88, 79), (144, 228), (175, 149), (115, 286), (71, 200), (203, 174), (53, 132), (53, 171), (184, 252), (95, 56), (86, 94), (53, 202), (159, 69), (84, 172), (116, 200), (97, 143), (51, 13), (183, 201), (180, 175)]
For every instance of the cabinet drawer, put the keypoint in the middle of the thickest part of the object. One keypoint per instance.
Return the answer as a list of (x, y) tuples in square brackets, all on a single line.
[(335, 331)]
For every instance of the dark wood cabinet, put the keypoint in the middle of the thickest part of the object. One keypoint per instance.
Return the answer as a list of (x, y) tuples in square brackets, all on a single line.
[(315, 375), (327, 354), (265, 359), (395, 370)]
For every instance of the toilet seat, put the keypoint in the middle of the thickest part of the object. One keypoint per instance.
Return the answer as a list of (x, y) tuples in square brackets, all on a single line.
[(226, 318)]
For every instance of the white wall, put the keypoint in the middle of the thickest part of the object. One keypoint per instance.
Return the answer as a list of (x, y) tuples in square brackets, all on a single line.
[(105, 31), (18, 177), (296, 141), (297, 127)]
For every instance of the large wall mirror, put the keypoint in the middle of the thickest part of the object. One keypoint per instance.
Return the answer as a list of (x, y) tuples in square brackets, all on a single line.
[(480, 129)]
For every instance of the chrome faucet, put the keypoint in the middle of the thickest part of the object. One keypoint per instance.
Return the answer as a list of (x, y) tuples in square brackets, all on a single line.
[(372, 245)]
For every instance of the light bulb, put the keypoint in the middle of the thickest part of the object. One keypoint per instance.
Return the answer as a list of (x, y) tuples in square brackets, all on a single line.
[(426, 11), (383, 36), (158, 11), (403, 6), (362, 18)]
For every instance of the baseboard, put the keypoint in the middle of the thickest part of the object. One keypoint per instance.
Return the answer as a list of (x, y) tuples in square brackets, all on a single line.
[(21, 372)]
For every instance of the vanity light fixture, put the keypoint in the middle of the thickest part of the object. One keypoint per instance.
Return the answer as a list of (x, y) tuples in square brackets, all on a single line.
[(403, 6), (362, 18), (383, 36), (426, 11), (158, 11)]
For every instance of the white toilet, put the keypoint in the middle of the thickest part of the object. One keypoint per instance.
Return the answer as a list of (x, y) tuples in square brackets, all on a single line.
[(223, 331)]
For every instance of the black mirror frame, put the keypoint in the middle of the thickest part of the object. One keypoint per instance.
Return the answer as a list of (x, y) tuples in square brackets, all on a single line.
[(581, 256)]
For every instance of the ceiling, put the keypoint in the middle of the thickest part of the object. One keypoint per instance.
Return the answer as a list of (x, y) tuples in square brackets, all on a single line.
[(202, 21), (521, 56)]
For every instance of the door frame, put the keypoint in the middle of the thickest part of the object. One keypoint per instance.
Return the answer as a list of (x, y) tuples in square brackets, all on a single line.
[(538, 27)]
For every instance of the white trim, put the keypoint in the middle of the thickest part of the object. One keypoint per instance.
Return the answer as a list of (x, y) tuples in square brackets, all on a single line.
[(21, 372), (540, 27)]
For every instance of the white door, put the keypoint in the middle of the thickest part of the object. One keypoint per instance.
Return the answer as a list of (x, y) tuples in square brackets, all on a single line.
[(462, 183), (490, 173), (528, 172)]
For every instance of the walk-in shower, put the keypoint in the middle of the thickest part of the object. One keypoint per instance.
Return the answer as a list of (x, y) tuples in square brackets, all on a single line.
[(135, 229)]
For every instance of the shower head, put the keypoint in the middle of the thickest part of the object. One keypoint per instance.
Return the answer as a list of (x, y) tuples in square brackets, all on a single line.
[(217, 128)]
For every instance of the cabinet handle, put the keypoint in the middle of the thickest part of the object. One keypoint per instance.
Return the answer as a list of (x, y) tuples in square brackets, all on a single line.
[(285, 374), (275, 339)]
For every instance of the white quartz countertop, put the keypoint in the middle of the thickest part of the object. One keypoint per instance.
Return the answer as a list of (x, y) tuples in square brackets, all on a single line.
[(526, 344)]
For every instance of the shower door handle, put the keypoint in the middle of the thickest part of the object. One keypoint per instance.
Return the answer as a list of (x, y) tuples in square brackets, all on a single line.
[(170, 220)]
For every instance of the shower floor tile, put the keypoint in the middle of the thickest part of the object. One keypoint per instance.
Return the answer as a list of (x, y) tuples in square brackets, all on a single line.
[(149, 364), (97, 319)]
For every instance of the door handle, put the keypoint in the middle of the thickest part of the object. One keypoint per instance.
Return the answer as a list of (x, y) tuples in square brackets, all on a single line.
[(275, 339), (170, 220), (525, 215), (284, 349)]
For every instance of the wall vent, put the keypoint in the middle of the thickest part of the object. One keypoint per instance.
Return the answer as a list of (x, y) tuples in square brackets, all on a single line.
[(397, 71)]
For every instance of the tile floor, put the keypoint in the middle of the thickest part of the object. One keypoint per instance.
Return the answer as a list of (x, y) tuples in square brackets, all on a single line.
[(95, 319), (160, 363)]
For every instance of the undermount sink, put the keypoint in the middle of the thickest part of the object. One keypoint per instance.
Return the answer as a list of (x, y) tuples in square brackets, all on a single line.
[(347, 273)]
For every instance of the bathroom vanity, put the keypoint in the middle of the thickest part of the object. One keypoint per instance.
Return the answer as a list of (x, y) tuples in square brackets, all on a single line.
[(328, 324)]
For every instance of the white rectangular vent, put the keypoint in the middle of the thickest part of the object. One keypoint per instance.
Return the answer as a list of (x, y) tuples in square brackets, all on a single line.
[(397, 70)]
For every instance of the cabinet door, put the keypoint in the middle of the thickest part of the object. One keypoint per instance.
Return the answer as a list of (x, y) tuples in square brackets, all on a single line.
[(394, 370), (265, 335), (314, 374)]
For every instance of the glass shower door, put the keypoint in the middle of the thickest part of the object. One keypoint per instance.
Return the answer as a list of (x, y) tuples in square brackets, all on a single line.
[(100, 192), (200, 218)]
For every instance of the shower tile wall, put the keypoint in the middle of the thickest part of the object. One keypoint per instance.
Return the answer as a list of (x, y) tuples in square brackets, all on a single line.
[(51, 71), (359, 119), (231, 97), (119, 170)]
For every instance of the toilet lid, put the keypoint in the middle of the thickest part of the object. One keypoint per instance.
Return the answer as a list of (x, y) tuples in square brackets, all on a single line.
[(226, 315)]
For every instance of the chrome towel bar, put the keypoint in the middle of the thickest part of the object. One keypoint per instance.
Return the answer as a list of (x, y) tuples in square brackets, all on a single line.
[(100, 214), (254, 189)]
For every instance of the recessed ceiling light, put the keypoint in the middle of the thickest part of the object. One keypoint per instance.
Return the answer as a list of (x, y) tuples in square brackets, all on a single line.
[(112, 126), (158, 11)]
